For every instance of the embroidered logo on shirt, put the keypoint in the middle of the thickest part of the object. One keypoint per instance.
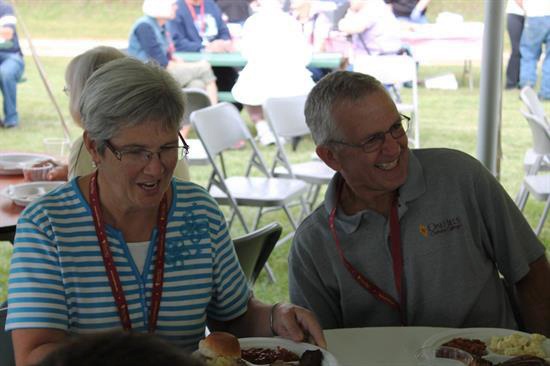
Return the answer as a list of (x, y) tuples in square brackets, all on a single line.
[(436, 228), (188, 244)]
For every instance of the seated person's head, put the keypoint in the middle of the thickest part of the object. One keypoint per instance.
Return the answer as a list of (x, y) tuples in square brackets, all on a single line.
[(118, 349), (79, 70), (127, 93), (335, 88)]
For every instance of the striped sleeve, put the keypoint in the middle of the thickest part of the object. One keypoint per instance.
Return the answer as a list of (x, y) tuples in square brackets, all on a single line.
[(36, 295), (230, 291)]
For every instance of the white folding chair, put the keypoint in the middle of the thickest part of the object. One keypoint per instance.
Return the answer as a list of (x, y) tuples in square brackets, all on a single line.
[(530, 100), (220, 127), (395, 70), (533, 183), (195, 99), (286, 119)]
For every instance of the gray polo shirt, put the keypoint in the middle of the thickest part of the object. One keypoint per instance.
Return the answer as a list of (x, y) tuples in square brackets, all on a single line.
[(459, 229)]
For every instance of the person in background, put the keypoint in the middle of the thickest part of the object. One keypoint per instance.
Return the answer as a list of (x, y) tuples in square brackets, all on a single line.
[(514, 26), (535, 37), (149, 41), (118, 348), (424, 237), (234, 11), (276, 63), (77, 72), (410, 10), (316, 28), (127, 246), (11, 64), (373, 27), (199, 27)]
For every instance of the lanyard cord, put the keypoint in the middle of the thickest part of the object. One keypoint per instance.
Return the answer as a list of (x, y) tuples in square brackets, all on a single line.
[(110, 268), (194, 14), (397, 259)]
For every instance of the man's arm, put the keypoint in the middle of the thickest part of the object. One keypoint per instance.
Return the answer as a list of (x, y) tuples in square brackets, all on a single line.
[(32, 345), (288, 321), (534, 297)]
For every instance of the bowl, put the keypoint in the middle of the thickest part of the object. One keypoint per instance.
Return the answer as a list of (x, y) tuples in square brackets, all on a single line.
[(36, 172), (443, 356)]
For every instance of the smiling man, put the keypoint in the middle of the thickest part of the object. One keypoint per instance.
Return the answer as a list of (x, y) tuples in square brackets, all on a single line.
[(425, 237)]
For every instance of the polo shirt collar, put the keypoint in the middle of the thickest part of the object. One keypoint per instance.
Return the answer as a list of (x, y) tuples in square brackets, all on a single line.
[(413, 188)]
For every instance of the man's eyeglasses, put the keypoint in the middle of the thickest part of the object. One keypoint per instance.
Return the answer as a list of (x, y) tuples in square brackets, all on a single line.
[(139, 156), (375, 141)]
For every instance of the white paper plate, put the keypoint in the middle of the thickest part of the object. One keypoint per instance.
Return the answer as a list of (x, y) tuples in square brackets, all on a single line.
[(11, 163), (24, 193), (298, 348), (484, 335)]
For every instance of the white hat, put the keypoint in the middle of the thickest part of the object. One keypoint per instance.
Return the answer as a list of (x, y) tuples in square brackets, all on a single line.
[(158, 8)]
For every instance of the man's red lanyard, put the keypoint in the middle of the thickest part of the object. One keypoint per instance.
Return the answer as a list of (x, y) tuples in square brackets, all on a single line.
[(194, 14), (108, 261), (397, 259)]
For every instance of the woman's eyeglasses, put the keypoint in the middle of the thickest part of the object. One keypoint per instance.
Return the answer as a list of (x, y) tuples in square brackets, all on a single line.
[(139, 156)]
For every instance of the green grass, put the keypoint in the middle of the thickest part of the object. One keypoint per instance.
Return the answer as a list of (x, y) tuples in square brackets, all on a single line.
[(447, 118)]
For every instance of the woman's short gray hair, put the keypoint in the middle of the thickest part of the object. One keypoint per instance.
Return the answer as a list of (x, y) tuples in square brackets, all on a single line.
[(336, 87), (127, 92)]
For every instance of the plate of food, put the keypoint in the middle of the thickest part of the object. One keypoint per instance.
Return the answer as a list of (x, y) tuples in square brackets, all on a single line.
[(495, 345), (221, 348), (12, 163), (24, 193)]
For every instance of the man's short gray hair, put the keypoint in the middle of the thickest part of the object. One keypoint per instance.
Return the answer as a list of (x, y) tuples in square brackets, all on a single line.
[(127, 92), (336, 87)]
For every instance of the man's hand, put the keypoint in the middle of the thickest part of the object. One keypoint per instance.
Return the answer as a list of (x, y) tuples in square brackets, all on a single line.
[(298, 324)]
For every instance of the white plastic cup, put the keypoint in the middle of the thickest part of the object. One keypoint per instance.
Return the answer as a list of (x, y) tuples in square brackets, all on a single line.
[(57, 147), (33, 172)]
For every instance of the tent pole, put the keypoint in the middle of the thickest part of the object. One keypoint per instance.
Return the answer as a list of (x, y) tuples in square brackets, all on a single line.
[(490, 100)]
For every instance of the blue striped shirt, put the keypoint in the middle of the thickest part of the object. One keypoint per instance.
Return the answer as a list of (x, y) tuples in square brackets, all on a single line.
[(57, 278)]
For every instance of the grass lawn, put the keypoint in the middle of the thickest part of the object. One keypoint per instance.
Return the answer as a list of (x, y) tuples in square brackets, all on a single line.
[(447, 118)]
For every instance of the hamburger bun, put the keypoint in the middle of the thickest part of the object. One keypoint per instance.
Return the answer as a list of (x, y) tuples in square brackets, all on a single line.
[(220, 349)]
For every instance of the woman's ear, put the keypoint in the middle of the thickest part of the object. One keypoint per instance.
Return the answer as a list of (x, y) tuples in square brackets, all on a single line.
[(91, 146), (327, 155)]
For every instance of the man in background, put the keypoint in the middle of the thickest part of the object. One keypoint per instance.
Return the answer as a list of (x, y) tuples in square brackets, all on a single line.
[(11, 64), (413, 11), (199, 27)]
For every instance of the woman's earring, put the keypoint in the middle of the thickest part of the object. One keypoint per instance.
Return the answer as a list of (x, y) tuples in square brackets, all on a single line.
[(94, 164)]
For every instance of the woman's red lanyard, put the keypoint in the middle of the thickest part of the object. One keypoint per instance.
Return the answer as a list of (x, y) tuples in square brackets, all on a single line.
[(108, 261), (397, 259), (194, 15)]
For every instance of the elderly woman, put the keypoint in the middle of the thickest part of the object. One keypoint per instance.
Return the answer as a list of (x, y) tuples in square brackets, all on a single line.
[(77, 72), (127, 246), (149, 40)]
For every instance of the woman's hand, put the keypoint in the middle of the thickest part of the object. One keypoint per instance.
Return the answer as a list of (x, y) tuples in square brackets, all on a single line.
[(59, 172), (296, 323)]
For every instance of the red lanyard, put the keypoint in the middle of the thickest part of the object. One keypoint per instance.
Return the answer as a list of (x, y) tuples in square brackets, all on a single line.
[(108, 261), (397, 259), (194, 15)]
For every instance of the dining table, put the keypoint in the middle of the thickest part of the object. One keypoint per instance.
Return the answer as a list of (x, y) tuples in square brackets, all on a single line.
[(329, 60), (9, 211)]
